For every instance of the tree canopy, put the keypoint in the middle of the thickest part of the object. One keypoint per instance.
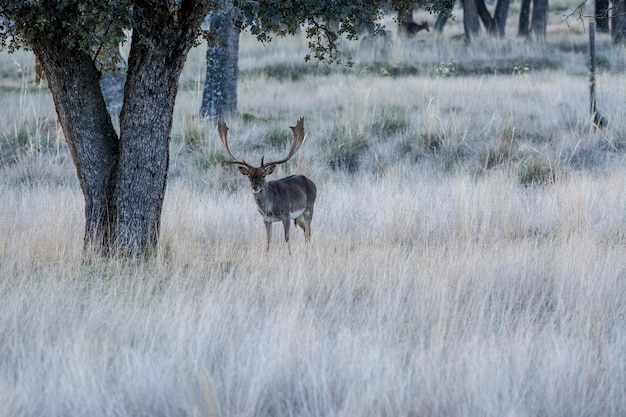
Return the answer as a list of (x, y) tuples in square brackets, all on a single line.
[(90, 24)]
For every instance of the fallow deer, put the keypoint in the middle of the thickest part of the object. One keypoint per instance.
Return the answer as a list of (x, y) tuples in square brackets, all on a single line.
[(281, 200), (413, 28)]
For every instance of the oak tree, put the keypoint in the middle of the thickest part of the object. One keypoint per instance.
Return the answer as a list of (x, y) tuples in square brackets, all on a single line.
[(123, 174)]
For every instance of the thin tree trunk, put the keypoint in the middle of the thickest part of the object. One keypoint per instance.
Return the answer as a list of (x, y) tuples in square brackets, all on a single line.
[(540, 19), (485, 16), (602, 15), (471, 23), (618, 21), (500, 15), (219, 97), (524, 19)]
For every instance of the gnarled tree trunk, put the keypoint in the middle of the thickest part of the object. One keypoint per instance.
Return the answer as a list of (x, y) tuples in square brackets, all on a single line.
[(91, 138)]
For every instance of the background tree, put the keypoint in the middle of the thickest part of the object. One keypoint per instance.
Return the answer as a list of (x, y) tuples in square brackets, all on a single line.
[(493, 25), (123, 176), (602, 15), (444, 14), (618, 21), (471, 22), (219, 96), (523, 29), (539, 23)]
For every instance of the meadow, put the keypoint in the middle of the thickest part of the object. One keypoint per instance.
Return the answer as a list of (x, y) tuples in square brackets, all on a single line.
[(468, 255)]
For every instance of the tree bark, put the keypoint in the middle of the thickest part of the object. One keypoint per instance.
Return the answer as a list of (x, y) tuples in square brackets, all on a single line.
[(500, 15), (524, 19), (471, 23), (485, 16), (540, 19), (602, 15), (157, 55), (219, 97), (618, 21), (89, 133)]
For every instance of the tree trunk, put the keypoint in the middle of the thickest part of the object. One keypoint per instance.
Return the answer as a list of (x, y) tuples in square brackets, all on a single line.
[(123, 179), (89, 133), (219, 97), (444, 15), (157, 55), (471, 23), (500, 15), (602, 15), (618, 21), (524, 19), (540, 19), (485, 16)]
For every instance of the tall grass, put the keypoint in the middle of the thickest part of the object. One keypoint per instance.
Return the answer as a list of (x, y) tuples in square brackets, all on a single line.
[(470, 263)]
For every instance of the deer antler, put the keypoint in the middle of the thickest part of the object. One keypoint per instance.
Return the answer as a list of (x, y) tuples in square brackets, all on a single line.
[(298, 139), (223, 131)]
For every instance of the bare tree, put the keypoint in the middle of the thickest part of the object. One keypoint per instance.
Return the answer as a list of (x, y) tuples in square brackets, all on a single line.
[(540, 19)]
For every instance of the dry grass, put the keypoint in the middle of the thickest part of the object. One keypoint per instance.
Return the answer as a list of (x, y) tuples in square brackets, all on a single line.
[(470, 263)]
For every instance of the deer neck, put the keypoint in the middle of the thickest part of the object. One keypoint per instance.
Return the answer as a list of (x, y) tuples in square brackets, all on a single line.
[(263, 200)]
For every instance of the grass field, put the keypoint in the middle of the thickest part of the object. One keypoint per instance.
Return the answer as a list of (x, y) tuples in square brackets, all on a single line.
[(468, 254)]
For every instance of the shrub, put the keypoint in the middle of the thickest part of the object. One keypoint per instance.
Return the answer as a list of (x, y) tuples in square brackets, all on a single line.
[(346, 154), (536, 172), (392, 121), (278, 135)]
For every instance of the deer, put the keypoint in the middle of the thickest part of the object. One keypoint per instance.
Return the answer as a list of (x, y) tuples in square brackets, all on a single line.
[(283, 200), (413, 28)]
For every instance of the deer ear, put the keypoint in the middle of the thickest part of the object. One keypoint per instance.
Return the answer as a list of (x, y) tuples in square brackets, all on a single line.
[(269, 169), (243, 170)]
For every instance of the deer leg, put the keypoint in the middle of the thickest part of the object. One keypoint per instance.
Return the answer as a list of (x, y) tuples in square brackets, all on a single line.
[(286, 227), (306, 221), (268, 234), (301, 221)]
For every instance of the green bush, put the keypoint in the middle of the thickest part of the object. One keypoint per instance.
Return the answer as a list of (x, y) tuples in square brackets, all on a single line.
[(346, 154), (536, 172)]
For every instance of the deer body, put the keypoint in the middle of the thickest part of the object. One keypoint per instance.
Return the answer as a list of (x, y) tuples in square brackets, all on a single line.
[(412, 28), (283, 200), (290, 198)]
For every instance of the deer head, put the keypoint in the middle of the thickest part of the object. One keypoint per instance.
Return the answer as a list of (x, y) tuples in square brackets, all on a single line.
[(257, 174)]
